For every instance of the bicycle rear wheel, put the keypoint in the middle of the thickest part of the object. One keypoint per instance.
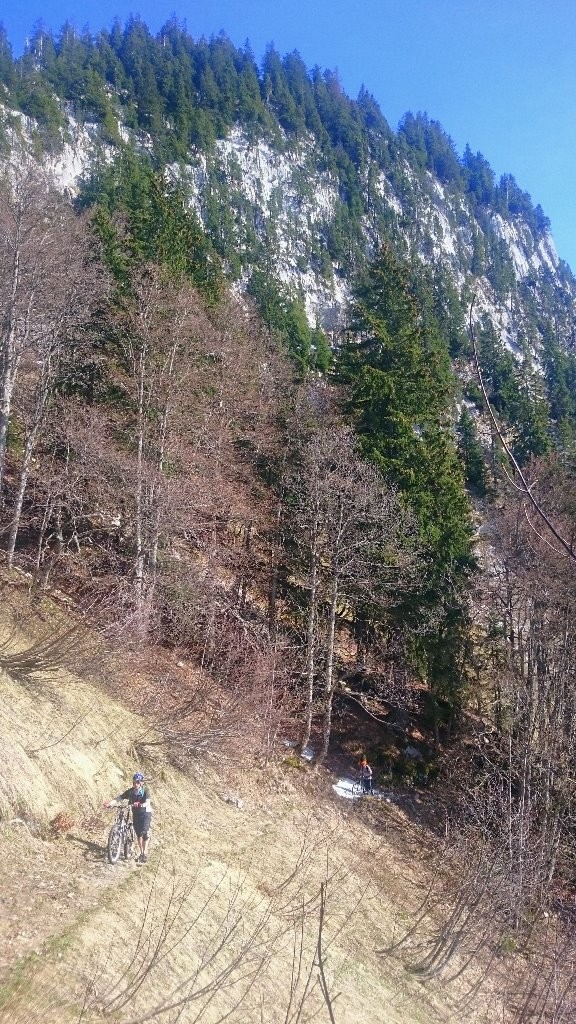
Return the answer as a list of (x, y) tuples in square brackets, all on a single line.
[(128, 842), (114, 843)]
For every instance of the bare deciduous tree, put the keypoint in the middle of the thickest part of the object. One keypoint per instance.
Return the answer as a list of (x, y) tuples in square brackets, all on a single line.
[(504, 882), (46, 296), (357, 543)]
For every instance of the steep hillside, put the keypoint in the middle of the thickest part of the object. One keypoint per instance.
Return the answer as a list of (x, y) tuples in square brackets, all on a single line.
[(256, 875), (287, 433)]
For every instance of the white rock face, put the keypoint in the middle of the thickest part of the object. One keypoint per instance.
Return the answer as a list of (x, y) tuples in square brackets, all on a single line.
[(282, 196), (290, 203), (75, 159)]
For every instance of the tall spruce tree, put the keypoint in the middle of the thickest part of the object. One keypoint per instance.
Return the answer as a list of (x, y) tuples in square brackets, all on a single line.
[(475, 469), (141, 217), (395, 367)]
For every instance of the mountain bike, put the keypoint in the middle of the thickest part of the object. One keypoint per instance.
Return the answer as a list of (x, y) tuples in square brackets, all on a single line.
[(358, 788), (121, 835)]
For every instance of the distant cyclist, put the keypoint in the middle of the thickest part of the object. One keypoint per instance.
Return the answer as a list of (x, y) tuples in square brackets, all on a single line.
[(138, 796), (366, 775)]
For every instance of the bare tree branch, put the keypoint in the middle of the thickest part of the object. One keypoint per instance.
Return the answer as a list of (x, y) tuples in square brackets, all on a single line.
[(525, 487)]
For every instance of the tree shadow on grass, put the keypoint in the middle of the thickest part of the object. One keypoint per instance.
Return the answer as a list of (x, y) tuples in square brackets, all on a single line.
[(92, 851)]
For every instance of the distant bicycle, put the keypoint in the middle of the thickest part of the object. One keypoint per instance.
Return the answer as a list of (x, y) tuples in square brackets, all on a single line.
[(362, 786), (121, 836)]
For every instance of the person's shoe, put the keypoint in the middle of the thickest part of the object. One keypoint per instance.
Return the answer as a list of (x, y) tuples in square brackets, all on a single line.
[(143, 858), (140, 859)]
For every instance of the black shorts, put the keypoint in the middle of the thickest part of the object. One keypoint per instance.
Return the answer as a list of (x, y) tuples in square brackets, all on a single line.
[(142, 824)]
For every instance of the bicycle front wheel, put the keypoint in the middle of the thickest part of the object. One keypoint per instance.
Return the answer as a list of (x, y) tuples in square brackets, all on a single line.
[(114, 844), (128, 842)]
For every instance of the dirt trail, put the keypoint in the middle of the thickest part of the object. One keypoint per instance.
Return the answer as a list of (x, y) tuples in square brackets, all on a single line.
[(45, 886)]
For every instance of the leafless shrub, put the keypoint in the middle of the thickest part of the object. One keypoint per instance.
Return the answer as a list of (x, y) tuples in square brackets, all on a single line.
[(232, 706), (60, 824), (71, 647), (542, 989), (92, 824)]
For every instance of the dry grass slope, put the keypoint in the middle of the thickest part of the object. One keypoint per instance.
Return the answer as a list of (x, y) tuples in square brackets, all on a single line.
[(272, 912)]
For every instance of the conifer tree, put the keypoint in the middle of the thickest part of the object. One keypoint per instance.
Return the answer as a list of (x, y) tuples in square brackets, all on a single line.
[(471, 453), (156, 225), (399, 402), (7, 69)]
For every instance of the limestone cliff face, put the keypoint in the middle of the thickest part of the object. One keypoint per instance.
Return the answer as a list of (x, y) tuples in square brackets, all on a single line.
[(274, 204), (283, 205)]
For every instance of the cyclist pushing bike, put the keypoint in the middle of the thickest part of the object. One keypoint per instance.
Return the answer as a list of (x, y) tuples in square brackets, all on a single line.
[(365, 776), (139, 799)]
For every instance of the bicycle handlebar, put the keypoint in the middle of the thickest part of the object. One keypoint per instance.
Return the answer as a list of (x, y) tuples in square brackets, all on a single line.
[(124, 807)]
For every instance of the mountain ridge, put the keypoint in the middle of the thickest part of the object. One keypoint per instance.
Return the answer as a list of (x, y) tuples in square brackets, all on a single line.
[(282, 104)]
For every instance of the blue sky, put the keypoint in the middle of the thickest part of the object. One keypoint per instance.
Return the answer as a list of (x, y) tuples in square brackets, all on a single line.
[(498, 74)]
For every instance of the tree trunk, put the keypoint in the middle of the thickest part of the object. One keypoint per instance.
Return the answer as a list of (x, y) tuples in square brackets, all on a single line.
[(9, 370), (329, 671), (26, 461), (17, 513), (311, 640), (139, 498)]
